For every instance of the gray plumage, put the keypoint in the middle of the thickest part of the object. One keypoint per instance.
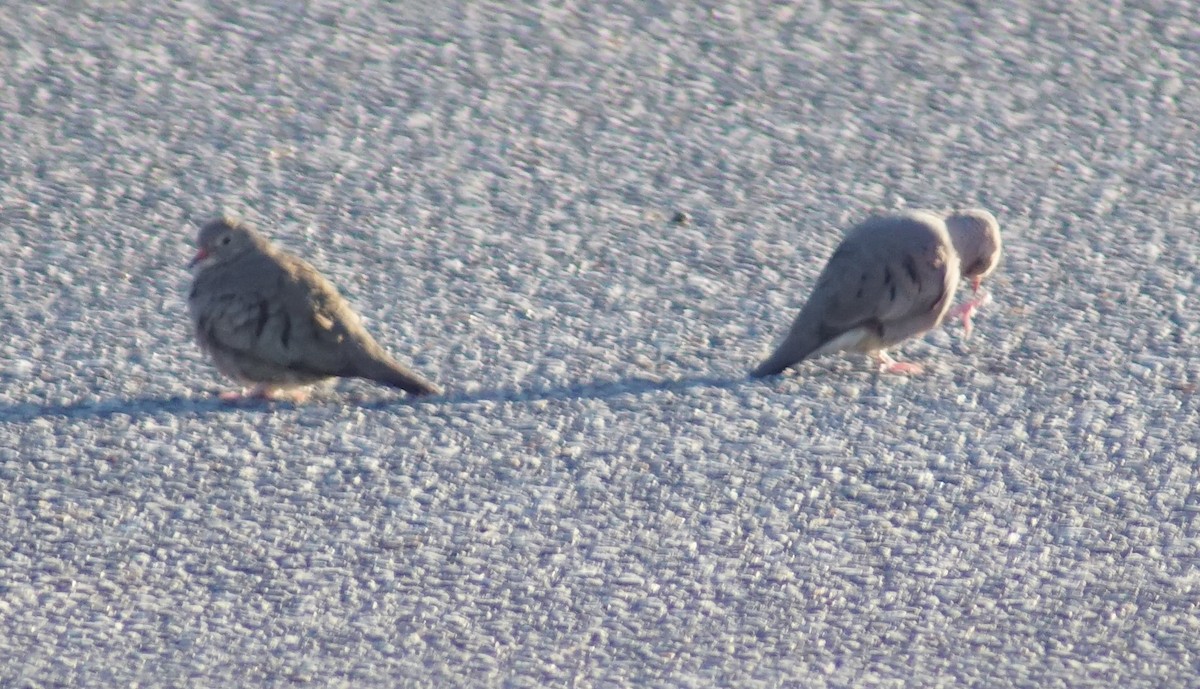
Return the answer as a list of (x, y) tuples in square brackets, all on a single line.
[(976, 236), (893, 277), (269, 319)]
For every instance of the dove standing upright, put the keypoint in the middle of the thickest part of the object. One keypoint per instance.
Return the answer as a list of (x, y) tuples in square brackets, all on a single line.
[(270, 320), (893, 277)]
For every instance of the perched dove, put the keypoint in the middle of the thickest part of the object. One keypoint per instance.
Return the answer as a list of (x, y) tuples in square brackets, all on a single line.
[(269, 320), (893, 277)]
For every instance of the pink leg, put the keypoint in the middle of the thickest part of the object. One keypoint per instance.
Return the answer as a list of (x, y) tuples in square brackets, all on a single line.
[(889, 365), (297, 395), (230, 396), (967, 309)]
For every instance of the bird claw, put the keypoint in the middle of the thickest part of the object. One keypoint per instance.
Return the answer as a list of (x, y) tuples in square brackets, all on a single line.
[(967, 309), (901, 368)]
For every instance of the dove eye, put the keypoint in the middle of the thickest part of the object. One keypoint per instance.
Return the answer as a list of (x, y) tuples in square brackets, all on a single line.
[(225, 239)]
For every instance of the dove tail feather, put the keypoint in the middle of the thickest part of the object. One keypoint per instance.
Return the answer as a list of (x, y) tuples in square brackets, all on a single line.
[(395, 375), (409, 382), (770, 367), (794, 349)]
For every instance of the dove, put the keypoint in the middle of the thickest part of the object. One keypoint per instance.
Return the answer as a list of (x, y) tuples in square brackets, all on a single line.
[(892, 277), (269, 320)]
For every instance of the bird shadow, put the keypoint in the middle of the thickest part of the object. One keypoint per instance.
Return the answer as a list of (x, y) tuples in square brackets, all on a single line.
[(175, 405), (24, 412), (580, 391)]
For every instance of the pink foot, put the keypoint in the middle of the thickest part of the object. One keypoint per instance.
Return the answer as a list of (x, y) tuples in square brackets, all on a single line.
[(298, 395), (901, 368), (967, 309)]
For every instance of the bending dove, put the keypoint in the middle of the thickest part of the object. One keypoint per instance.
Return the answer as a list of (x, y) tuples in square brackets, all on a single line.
[(893, 277), (269, 320)]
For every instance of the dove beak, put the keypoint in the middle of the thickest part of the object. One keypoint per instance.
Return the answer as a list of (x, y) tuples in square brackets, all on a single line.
[(201, 254)]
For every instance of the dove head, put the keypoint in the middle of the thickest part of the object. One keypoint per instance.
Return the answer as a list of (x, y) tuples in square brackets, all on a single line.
[(222, 240), (976, 237)]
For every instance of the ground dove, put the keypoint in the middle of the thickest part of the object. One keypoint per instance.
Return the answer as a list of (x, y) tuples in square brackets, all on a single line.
[(893, 277), (269, 320)]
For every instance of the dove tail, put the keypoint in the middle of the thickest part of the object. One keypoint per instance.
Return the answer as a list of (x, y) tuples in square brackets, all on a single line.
[(410, 383), (770, 367), (395, 375), (775, 365), (794, 349)]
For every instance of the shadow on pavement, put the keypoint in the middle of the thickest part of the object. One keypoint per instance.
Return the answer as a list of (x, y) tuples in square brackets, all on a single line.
[(106, 409), (581, 391), (192, 406)]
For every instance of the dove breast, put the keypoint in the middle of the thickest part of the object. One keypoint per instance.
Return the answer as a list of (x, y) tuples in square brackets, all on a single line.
[(266, 318)]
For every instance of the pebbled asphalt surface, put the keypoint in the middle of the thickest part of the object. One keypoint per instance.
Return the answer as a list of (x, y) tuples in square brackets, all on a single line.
[(601, 498)]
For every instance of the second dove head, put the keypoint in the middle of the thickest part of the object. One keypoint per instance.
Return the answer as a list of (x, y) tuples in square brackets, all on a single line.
[(976, 236), (221, 240)]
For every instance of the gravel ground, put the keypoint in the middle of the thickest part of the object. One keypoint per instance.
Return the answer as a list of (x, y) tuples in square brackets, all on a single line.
[(602, 498)]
